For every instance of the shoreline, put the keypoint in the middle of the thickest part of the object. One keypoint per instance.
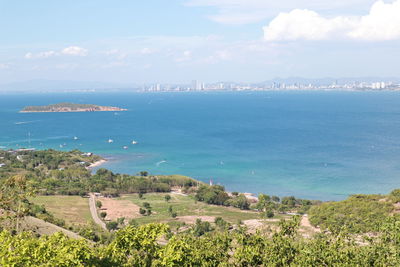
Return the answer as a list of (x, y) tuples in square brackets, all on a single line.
[(96, 164)]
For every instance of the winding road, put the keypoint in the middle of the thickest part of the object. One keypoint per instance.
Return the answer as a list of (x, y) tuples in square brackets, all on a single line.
[(93, 211)]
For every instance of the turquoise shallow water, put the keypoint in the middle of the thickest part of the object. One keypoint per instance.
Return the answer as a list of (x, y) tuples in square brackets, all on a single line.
[(320, 145)]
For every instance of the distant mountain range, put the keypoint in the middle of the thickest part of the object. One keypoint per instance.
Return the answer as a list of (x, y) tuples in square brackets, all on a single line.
[(330, 80), (61, 86)]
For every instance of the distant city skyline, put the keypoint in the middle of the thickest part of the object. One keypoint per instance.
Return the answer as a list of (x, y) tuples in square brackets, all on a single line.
[(294, 83), (177, 41)]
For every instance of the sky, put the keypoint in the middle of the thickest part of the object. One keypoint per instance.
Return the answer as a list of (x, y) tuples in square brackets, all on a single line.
[(176, 41)]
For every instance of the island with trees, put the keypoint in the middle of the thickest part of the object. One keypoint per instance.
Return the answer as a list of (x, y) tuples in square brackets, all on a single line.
[(69, 107)]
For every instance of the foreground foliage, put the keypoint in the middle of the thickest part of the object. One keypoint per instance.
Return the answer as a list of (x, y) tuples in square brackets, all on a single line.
[(357, 214), (144, 246)]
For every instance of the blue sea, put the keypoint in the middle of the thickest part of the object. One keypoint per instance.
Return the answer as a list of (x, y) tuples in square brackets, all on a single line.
[(316, 145)]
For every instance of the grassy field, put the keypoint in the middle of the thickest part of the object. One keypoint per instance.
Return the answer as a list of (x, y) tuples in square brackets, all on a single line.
[(185, 206), (73, 209)]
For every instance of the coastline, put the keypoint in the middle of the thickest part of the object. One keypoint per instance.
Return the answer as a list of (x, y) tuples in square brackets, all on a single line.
[(96, 164)]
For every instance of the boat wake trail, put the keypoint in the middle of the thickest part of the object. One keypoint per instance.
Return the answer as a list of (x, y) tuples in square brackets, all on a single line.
[(160, 162), (25, 122)]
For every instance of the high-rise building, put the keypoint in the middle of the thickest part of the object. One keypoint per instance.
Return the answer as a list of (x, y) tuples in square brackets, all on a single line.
[(196, 85)]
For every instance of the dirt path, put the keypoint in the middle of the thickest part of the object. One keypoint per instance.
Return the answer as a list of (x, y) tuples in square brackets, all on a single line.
[(306, 228), (93, 211)]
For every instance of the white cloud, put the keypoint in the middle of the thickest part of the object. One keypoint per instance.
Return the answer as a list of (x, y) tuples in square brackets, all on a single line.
[(45, 54), (4, 66), (112, 52), (382, 23), (250, 11), (71, 51), (115, 64), (146, 51), (75, 51), (185, 56)]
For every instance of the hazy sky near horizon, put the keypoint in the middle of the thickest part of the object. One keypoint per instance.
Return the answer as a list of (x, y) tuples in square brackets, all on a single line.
[(173, 41)]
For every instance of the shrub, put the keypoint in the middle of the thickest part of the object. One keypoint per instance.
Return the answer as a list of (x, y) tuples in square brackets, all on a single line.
[(142, 211), (98, 204), (112, 226), (103, 214)]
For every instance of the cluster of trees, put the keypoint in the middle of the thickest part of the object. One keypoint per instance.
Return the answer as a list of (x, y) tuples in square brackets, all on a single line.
[(66, 173), (146, 209), (44, 160), (60, 107), (266, 204), (141, 246), (216, 195)]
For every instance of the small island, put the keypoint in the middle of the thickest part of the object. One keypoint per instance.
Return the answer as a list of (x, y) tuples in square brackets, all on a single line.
[(69, 107)]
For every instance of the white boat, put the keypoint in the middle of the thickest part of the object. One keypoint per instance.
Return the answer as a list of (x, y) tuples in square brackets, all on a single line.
[(75, 138), (110, 140), (134, 142), (125, 147)]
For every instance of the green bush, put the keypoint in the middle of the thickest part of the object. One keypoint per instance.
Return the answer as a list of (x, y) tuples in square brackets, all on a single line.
[(357, 214)]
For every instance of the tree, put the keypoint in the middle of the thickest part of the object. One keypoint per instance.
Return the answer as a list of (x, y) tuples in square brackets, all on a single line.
[(240, 202), (142, 211), (289, 201), (144, 173), (14, 195), (103, 214), (221, 223), (146, 205), (98, 204), (112, 226), (269, 213), (167, 198), (200, 228), (275, 198)]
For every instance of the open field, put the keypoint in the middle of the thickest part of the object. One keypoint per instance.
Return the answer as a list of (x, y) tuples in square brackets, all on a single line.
[(187, 209), (73, 209), (117, 208)]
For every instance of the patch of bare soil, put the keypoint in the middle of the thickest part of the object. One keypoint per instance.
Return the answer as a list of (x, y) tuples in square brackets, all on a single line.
[(192, 219), (306, 229), (396, 209), (259, 224), (119, 208)]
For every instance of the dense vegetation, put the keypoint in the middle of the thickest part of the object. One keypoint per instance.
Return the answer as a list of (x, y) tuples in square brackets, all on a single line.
[(142, 246), (268, 205), (66, 173), (357, 214)]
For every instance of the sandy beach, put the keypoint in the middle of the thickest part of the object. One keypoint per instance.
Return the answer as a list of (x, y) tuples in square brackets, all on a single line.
[(97, 163)]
